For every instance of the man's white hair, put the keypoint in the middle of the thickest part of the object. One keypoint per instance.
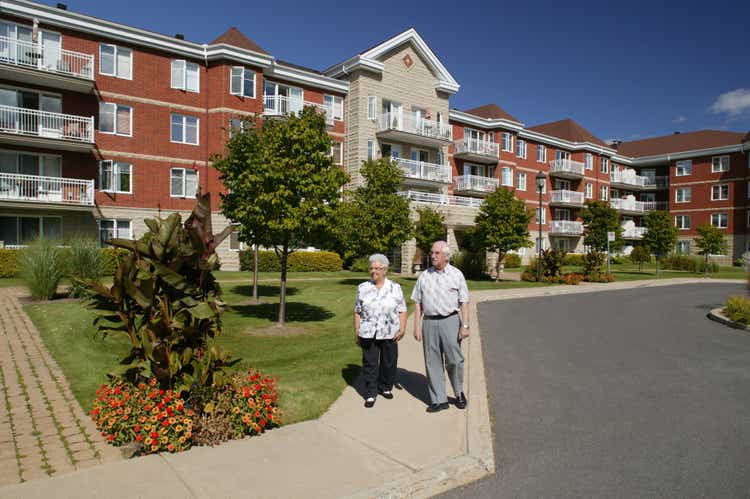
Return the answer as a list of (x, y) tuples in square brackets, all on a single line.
[(443, 246)]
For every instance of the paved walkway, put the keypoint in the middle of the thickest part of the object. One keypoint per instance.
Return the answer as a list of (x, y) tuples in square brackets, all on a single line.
[(43, 430)]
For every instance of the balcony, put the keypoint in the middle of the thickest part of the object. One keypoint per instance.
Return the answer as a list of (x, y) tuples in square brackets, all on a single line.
[(281, 105), (408, 128), (28, 62), (423, 173), (481, 151), (441, 199), (566, 198), (627, 180), (631, 232), (475, 184), (565, 228), (630, 206), (46, 190), (656, 183), (566, 168), (32, 127)]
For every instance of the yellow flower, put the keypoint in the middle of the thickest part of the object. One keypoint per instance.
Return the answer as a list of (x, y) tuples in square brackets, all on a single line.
[(236, 410), (182, 440), (154, 419), (147, 427), (154, 448), (178, 428)]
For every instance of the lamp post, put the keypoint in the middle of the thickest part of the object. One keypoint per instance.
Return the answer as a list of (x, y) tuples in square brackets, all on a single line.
[(541, 179)]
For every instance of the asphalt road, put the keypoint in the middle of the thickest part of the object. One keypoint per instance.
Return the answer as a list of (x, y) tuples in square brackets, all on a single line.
[(617, 394)]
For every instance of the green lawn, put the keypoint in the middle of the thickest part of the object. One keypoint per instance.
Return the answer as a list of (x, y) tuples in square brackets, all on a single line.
[(630, 272)]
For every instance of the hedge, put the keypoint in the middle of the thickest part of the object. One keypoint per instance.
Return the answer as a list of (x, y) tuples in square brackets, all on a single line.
[(299, 261), (512, 261), (10, 264), (10, 261)]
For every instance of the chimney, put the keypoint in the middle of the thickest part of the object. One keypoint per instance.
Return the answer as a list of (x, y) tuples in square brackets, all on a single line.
[(615, 143), (179, 36), (677, 133), (62, 6)]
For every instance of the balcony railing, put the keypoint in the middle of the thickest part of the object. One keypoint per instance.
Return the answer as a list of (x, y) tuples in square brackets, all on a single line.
[(566, 166), (658, 182), (421, 170), (405, 122), (565, 227), (566, 197), (281, 105), (628, 178), (475, 183), (633, 232), (475, 146), (442, 199), (33, 188), (23, 121), (636, 206), (37, 56)]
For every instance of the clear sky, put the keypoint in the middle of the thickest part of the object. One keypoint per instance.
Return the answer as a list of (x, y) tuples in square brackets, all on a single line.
[(623, 70)]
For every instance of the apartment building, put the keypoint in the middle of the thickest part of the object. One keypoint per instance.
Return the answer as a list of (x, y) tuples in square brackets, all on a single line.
[(103, 125)]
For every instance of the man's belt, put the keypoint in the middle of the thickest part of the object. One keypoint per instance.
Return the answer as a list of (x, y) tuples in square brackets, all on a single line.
[(438, 317)]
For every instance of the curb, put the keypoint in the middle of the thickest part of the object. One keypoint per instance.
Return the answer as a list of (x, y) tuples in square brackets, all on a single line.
[(717, 315)]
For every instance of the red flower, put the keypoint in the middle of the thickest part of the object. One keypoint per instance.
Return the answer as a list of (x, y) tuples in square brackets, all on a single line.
[(160, 405), (137, 428), (263, 423), (165, 423), (110, 437), (138, 438), (179, 407), (154, 434), (117, 390), (161, 392)]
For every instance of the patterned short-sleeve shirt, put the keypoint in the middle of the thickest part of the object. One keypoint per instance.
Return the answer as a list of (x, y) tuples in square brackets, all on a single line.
[(441, 292), (379, 309)]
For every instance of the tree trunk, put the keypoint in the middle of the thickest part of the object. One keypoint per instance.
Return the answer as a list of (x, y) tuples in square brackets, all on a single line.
[(657, 265), (282, 292), (497, 265), (255, 273), (705, 265)]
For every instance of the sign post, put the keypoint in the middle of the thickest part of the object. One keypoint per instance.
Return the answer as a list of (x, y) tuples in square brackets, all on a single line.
[(610, 238)]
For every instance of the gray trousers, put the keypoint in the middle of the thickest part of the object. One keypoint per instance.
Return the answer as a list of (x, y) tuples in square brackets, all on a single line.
[(440, 339)]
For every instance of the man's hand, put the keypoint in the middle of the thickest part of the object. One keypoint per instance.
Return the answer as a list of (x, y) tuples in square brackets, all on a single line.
[(463, 332), (418, 333)]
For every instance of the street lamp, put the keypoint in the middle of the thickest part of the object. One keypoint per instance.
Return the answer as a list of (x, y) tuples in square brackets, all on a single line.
[(541, 179)]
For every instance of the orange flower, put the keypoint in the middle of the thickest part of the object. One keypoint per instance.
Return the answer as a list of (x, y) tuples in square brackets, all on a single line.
[(188, 434), (170, 447), (154, 448), (164, 440), (147, 427), (178, 428), (182, 440), (142, 419), (147, 441), (235, 410), (154, 419), (171, 420)]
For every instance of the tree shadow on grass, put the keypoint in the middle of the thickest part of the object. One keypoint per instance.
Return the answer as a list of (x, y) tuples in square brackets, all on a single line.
[(415, 384), (352, 282), (263, 290), (295, 312)]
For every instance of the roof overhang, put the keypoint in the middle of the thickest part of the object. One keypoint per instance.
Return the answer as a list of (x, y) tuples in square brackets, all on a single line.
[(470, 119), (306, 78), (676, 156)]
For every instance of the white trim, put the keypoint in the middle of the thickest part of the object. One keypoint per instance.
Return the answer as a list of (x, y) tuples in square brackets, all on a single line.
[(186, 65), (184, 171), (114, 62), (719, 198), (184, 127), (683, 217), (115, 227), (114, 123), (115, 175), (299, 76), (718, 214), (689, 191), (682, 164), (720, 158), (242, 75)]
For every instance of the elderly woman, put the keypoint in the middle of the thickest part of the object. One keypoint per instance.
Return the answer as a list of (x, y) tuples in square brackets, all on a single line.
[(379, 323)]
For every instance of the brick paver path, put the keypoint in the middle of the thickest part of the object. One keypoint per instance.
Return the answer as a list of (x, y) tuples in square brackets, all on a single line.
[(43, 430)]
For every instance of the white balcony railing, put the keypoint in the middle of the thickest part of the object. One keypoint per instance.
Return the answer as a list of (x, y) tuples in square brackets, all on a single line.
[(468, 145), (566, 166), (17, 187), (422, 170), (46, 58), (565, 196), (23, 121), (566, 227), (281, 105), (442, 199), (405, 122), (628, 177), (475, 183), (633, 232)]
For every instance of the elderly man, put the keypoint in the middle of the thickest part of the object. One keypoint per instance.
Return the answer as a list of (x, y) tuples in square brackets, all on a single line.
[(440, 296)]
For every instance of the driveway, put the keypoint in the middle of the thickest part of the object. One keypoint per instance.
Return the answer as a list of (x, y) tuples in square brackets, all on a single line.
[(617, 394)]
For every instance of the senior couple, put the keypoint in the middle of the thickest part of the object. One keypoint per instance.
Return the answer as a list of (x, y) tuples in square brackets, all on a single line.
[(441, 322)]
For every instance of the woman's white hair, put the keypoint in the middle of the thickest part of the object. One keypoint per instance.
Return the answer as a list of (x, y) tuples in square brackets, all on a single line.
[(379, 258)]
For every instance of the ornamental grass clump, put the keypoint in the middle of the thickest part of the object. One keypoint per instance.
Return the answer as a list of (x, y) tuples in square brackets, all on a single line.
[(738, 309), (84, 262), (41, 265)]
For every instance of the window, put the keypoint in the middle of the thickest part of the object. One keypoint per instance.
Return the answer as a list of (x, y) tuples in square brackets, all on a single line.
[(184, 129), (370, 149), (234, 240), (115, 176), (719, 164), (236, 125), (242, 82), (589, 160), (683, 168), (521, 181), (183, 183), (334, 106), (683, 194), (682, 222), (110, 229), (185, 75), (603, 192), (115, 118), (605, 165), (521, 148), (19, 231), (720, 220), (507, 176), (541, 153), (507, 142), (115, 61), (372, 107), (544, 216), (683, 247), (589, 191), (337, 152), (720, 192)]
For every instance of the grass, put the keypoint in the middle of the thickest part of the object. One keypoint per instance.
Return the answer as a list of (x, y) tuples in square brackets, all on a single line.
[(630, 272)]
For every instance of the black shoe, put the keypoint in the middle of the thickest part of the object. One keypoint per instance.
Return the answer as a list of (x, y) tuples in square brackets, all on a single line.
[(370, 402), (387, 394), (461, 401), (437, 407)]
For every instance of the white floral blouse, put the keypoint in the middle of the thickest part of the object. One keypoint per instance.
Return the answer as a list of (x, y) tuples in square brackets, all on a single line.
[(379, 309)]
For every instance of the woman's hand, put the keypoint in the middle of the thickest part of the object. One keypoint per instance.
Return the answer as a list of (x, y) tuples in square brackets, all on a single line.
[(356, 339), (399, 335)]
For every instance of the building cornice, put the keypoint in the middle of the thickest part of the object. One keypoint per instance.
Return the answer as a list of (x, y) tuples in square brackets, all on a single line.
[(470, 119), (287, 73), (676, 156)]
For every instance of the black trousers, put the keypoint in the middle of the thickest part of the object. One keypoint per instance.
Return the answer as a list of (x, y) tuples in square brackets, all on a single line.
[(379, 358)]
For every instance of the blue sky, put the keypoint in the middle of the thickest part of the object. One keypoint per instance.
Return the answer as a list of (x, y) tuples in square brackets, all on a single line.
[(627, 71)]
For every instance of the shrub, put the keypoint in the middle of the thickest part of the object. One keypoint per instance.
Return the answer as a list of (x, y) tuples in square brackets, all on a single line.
[(599, 277), (111, 258), (738, 309), (573, 278), (640, 255), (512, 261), (738, 262), (688, 263), (361, 264), (552, 262), (592, 263), (41, 268), (10, 263), (616, 259), (470, 263), (84, 261), (528, 275), (299, 261), (573, 259)]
